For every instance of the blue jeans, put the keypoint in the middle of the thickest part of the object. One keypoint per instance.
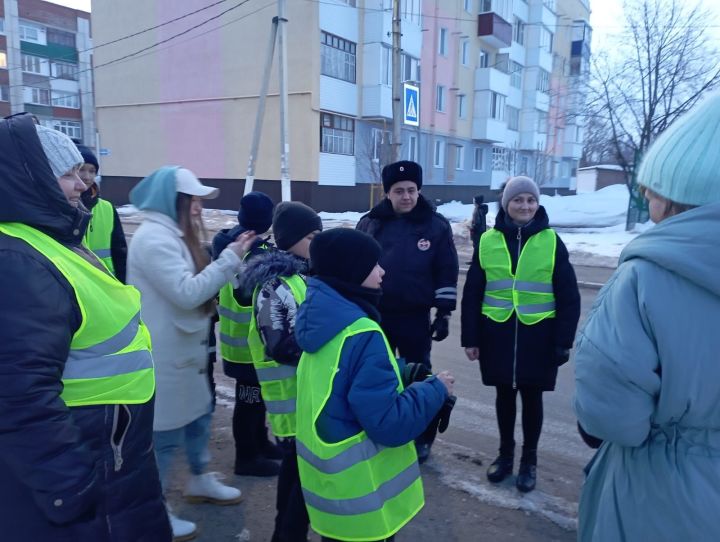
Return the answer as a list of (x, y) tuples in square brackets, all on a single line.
[(194, 435)]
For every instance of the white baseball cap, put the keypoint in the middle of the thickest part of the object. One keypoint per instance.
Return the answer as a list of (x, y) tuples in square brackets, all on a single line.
[(187, 183)]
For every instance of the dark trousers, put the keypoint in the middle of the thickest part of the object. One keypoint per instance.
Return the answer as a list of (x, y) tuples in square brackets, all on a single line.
[(249, 429), (532, 419), (291, 521)]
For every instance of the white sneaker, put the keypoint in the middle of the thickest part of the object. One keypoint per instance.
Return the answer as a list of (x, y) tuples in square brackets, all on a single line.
[(182, 529), (207, 488)]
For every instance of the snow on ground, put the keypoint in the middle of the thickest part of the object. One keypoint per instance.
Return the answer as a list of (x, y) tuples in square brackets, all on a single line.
[(592, 223)]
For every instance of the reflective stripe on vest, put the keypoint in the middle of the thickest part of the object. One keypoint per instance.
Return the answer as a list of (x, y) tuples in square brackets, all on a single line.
[(353, 489), (98, 236), (278, 383), (109, 360), (529, 292)]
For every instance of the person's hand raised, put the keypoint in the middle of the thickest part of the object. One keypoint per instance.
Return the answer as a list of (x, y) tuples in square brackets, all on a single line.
[(242, 243)]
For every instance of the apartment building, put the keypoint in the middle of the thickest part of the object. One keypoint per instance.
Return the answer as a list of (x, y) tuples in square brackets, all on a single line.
[(187, 92), (45, 66)]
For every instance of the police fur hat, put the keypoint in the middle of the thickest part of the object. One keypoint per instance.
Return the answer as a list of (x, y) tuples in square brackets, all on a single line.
[(404, 170)]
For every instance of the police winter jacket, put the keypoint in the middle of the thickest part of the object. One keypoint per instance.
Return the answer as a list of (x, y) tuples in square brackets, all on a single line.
[(59, 481), (536, 363), (364, 395), (418, 255), (647, 374), (118, 243)]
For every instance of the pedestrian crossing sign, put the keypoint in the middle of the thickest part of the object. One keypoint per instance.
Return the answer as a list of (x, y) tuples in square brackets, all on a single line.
[(410, 104)]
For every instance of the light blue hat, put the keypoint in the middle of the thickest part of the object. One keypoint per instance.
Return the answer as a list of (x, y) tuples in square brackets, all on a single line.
[(683, 164)]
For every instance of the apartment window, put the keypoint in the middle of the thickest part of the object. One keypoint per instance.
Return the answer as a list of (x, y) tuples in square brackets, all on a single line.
[(440, 98), (382, 139), (3, 59), (39, 96), (483, 59), (461, 105), (565, 169), (70, 128), (524, 165), (64, 70), (499, 159), (4, 93), (337, 57), (34, 64), (516, 74), (485, 6), (497, 106), (442, 42), (542, 126), (518, 31), (337, 134), (409, 68), (29, 33), (2, 25), (410, 10), (412, 149), (543, 81), (478, 159), (60, 37), (546, 39), (386, 67), (459, 157), (513, 117), (464, 52), (66, 99), (467, 4), (350, 3), (439, 154)]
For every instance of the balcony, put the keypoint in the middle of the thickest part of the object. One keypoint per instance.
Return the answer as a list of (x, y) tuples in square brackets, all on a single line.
[(492, 79), (495, 30), (532, 141), (572, 150), (542, 13), (488, 129)]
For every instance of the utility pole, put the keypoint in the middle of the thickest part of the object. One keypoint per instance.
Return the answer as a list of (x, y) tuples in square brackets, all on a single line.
[(277, 34), (397, 108)]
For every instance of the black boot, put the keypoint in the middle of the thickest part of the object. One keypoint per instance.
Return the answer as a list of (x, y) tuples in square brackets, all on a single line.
[(258, 466), (527, 477), (500, 469)]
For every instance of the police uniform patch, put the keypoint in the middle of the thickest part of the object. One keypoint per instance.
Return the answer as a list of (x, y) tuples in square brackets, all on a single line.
[(423, 244)]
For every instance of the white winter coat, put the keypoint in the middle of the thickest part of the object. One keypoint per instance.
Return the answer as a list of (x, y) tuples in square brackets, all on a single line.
[(161, 267)]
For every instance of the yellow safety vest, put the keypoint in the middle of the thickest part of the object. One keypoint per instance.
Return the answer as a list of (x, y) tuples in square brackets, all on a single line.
[(109, 360), (98, 236), (278, 383), (354, 489), (529, 292)]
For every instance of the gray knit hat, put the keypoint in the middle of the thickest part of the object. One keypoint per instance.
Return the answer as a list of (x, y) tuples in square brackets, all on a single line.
[(518, 185), (61, 152)]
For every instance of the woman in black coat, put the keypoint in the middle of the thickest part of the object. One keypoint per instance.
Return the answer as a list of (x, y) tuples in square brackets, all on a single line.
[(520, 354)]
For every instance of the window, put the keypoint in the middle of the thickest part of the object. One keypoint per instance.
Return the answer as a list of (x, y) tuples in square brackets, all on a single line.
[(4, 93), (60, 38), (64, 70), (382, 139), (34, 64), (524, 166), (519, 31), (337, 134), (513, 117), (467, 4), (543, 81), (461, 106), (440, 98), (39, 96), (483, 59), (337, 57), (485, 6), (386, 76), (409, 68), (546, 40), (464, 52), (564, 169), (459, 157), (542, 126), (350, 3), (412, 149), (442, 42), (2, 25), (439, 154), (516, 74), (478, 159), (497, 106), (68, 127), (66, 99), (499, 159), (29, 33), (410, 10), (3, 59)]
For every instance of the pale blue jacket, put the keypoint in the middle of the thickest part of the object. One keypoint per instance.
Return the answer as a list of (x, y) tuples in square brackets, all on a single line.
[(648, 384)]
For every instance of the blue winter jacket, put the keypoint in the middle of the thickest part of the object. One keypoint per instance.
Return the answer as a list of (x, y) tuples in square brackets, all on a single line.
[(648, 384), (66, 474), (364, 395)]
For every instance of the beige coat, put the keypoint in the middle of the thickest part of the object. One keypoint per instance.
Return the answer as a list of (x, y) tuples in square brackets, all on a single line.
[(161, 267)]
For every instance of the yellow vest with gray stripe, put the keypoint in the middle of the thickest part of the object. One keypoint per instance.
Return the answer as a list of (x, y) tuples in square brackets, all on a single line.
[(529, 292), (98, 236), (278, 383), (354, 489), (109, 360)]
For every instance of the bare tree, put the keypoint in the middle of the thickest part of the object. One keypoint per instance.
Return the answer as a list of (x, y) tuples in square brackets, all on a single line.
[(661, 66)]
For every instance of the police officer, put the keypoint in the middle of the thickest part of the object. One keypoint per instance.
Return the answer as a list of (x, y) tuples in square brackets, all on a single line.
[(421, 264)]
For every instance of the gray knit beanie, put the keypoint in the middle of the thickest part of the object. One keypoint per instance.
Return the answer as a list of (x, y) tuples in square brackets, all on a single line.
[(518, 185), (61, 152)]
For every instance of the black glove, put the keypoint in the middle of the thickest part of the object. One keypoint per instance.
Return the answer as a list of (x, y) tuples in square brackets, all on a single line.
[(444, 414), (440, 328), (562, 355)]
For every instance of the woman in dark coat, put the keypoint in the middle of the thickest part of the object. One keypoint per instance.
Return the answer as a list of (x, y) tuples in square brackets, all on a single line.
[(519, 353)]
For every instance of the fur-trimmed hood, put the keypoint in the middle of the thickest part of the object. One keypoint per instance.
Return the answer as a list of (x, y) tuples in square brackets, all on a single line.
[(271, 264)]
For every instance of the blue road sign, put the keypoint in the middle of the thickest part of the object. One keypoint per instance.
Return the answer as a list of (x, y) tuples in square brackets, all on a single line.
[(411, 105)]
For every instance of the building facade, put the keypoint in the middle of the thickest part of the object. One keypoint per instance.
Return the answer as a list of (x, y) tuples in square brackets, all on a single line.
[(494, 77), (46, 66)]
